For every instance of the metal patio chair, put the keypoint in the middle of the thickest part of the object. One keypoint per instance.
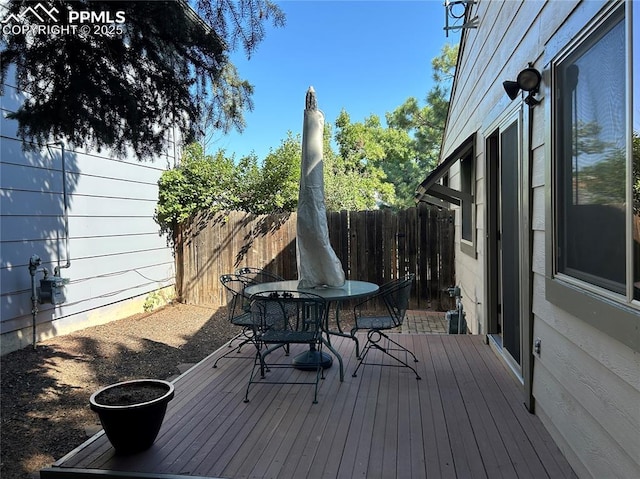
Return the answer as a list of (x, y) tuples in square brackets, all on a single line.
[(395, 296), (238, 314), (258, 275), (283, 318)]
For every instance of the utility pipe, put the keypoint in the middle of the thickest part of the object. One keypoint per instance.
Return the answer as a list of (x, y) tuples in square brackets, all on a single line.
[(34, 268), (56, 270)]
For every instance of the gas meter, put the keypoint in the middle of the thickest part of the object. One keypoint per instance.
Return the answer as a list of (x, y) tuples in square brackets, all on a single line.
[(52, 290)]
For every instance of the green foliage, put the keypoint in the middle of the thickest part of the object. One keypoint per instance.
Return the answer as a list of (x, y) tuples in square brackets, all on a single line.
[(425, 127), (272, 186), (360, 179), (157, 299), (374, 165), (201, 182), (217, 183), (604, 181), (604, 178), (277, 189), (383, 165), (167, 69), (444, 66)]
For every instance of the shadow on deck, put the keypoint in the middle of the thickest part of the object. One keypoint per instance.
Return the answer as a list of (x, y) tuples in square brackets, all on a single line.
[(465, 418)]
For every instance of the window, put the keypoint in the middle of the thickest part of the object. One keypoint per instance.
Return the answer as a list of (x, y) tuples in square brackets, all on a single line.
[(591, 161), (597, 187), (466, 186)]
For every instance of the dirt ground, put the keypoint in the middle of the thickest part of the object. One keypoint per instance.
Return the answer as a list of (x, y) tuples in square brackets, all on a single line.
[(44, 393)]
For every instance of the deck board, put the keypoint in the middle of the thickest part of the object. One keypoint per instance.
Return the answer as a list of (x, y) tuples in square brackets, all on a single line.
[(461, 433), (541, 444), (337, 426), (436, 446), (464, 418), (494, 454)]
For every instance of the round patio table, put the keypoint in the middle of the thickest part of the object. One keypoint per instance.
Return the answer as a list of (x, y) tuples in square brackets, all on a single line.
[(350, 290)]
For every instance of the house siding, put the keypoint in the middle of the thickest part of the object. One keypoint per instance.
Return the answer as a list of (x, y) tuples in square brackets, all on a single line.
[(117, 255), (586, 384)]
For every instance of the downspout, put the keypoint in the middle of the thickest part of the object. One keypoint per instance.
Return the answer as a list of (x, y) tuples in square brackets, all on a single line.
[(56, 271), (529, 399)]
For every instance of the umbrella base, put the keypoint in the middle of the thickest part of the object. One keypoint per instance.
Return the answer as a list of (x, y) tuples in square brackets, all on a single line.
[(308, 361)]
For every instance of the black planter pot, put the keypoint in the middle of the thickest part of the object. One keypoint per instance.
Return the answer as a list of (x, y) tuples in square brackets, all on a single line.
[(132, 412)]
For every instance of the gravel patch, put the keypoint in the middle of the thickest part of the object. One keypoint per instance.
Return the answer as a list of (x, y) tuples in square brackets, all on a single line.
[(44, 405)]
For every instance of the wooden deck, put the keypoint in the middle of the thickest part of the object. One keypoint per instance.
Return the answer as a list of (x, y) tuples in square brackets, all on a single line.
[(464, 419)]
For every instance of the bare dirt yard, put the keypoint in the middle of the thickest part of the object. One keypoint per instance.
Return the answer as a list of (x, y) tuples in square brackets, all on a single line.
[(44, 393)]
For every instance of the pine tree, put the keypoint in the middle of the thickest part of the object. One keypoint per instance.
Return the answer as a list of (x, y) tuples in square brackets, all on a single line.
[(165, 66)]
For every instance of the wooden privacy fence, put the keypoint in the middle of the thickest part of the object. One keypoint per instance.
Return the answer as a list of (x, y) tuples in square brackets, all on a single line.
[(374, 246)]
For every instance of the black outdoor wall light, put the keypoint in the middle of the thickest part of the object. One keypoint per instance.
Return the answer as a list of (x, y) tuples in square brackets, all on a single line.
[(528, 80)]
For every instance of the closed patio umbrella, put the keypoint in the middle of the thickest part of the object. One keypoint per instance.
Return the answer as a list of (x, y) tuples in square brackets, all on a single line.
[(318, 265)]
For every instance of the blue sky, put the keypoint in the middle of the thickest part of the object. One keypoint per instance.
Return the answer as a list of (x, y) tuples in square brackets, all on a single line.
[(366, 57)]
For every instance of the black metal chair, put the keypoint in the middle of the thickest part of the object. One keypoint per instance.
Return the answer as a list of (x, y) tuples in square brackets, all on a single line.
[(395, 296), (258, 275), (238, 313), (282, 318)]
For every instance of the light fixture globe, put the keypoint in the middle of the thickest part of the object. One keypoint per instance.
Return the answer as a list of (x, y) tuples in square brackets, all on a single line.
[(529, 79)]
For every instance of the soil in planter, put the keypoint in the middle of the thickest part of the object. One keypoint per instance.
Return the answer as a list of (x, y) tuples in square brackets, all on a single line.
[(131, 394)]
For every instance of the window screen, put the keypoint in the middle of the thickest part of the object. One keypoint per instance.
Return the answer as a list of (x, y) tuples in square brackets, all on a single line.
[(591, 160)]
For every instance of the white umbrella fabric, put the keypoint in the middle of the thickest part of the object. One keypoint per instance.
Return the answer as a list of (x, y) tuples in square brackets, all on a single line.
[(318, 265)]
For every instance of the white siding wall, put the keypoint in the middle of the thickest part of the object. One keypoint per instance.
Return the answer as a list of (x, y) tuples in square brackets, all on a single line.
[(116, 252), (586, 384), (467, 270)]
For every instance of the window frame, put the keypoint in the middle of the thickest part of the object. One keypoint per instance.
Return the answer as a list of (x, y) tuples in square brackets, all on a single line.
[(467, 208), (563, 189), (467, 152), (581, 299)]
